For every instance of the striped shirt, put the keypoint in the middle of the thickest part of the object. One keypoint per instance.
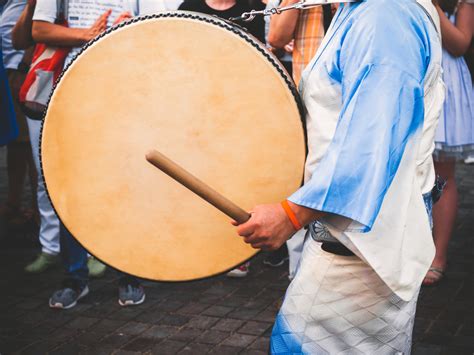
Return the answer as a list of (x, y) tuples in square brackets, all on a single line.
[(308, 36)]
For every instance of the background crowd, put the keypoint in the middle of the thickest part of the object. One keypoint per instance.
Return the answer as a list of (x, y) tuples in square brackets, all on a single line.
[(293, 36)]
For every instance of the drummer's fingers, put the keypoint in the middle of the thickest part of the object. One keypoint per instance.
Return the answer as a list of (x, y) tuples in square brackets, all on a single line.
[(257, 245), (254, 238), (234, 223), (245, 229), (259, 241), (262, 244)]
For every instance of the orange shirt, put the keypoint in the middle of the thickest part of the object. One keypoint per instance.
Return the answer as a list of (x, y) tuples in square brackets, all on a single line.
[(309, 33)]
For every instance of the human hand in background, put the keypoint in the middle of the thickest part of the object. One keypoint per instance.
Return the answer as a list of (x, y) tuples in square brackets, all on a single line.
[(289, 47), (98, 27), (124, 16)]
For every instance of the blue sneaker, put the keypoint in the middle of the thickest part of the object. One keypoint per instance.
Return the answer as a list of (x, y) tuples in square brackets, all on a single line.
[(67, 297), (131, 293)]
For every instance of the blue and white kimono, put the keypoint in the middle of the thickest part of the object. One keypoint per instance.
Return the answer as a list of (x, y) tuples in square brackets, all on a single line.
[(373, 95)]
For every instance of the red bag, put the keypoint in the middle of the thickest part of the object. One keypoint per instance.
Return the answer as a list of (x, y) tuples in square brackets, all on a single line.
[(47, 64)]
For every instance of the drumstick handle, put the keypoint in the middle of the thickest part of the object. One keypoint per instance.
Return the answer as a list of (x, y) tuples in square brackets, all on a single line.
[(200, 188)]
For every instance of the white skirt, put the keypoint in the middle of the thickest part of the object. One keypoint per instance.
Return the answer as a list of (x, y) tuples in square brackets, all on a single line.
[(338, 305)]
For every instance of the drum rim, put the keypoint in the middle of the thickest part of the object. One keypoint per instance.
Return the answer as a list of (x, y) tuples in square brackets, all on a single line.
[(229, 26)]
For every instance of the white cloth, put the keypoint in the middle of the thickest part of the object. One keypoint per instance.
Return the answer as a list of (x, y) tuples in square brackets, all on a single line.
[(399, 246), (295, 248), (338, 305), (49, 228), (83, 13), (11, 13)]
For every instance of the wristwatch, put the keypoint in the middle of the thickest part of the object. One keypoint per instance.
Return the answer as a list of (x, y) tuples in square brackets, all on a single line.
[(23, 68)]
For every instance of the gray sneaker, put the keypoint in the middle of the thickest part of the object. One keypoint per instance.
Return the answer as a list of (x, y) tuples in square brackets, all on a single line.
[(68, 296), (131, 293)]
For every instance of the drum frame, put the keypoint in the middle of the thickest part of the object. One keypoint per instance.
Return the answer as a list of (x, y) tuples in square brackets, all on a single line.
[(214, 20)]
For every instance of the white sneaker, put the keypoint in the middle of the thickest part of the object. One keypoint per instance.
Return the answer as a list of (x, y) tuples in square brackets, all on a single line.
[(469, 159), (240, 271)]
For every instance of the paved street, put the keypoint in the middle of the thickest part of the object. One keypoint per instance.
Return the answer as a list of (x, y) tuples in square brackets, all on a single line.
[(218, 315)]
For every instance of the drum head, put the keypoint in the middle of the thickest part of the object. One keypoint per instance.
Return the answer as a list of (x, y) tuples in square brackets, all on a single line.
[(203, 93)]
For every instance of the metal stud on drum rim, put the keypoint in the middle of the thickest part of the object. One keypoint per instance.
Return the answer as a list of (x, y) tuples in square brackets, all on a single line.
[(207, 95)]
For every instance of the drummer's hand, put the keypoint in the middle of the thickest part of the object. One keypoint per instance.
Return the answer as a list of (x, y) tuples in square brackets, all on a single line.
[(124, 16), (268, 227)]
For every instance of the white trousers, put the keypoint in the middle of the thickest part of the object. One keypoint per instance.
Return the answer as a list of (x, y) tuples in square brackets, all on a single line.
[(295, 249), (49, 229), (339, 305)]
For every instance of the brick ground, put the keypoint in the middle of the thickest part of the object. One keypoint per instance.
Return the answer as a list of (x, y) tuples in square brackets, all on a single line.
[(217, 315)]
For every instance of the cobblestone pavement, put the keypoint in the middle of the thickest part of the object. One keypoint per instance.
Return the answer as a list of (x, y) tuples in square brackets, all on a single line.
[(216, 315)]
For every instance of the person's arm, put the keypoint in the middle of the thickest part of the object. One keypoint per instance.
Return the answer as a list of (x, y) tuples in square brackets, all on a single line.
[(21, 33), (282, 27), (53, 34), (457, 38)]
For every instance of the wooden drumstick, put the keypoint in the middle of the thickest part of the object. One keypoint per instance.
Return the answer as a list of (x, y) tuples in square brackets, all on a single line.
[(201, 189)]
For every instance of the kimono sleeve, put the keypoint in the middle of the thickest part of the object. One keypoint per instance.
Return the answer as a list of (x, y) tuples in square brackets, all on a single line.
[(381, 65)]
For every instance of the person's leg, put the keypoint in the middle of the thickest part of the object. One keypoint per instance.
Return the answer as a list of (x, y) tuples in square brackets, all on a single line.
[(18, 158), (444, 217), (16, 172), (33, 180), (74, 257), (77, 274), (336, 300), (49, 222)]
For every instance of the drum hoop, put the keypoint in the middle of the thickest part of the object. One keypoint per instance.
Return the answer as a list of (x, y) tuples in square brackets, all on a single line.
[(225, 24)]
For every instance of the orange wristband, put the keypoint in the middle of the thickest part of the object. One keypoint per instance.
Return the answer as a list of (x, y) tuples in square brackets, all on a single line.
[(291, 215)]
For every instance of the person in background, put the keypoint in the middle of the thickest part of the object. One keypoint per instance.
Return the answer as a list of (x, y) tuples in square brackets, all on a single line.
[(227, 9), (306, 28), (19, 157), (455, 134), (49, 223), (83, 26), (469, 57)]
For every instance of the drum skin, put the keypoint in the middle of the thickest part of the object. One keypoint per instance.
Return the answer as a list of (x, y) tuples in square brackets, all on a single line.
[(202, 92)]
